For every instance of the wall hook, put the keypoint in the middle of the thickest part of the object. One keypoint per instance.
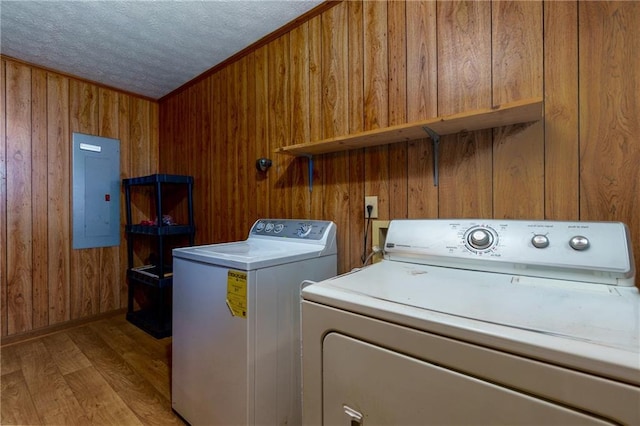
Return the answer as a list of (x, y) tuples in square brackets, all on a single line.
[(263, 164)]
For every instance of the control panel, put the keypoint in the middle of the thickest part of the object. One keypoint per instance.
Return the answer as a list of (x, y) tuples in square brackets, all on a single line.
[(551, 249), (292, 228)]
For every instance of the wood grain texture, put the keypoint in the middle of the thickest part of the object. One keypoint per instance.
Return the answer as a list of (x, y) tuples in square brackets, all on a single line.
[(518, 151), (64, 353), (143, 144), (85, 264), (143, 127), (561, 98), (126, 166), (475, 20), (376, 95), (103, 372), (300, 125), (459, 56), (17, 406), (53, 398), (224, 233), (39, 194), (376, 65), (356, 124), (19, 190), (97, 399), (609, 90), (279, 126), (261, 141), (316, 118), (558, 169), (335, 122), (464, 83), (518, 112), (141, 397), (232, 124), (526, 161), (201, 197), (397, 58), (421, 60), (3, 205), (250, 213), (146, 356), (56, 282), (58, 214), (109, 257), (244, 153), (421, 104)]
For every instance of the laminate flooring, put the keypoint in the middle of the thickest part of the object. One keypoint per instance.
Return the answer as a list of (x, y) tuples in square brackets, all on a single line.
[(106, 372)]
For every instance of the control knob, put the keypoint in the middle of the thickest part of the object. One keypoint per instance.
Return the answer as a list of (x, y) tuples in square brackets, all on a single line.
[(480, 239), (304, 230), (540, 241), (579, 243)]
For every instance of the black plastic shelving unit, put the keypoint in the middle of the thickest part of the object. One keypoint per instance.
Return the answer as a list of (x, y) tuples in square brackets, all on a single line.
[(156, 319)]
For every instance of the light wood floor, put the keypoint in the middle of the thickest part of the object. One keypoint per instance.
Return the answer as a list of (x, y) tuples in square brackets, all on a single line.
[(107, 372)]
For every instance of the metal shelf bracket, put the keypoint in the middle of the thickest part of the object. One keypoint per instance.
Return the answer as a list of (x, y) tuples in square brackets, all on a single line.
[(435, 142), (310, 164)]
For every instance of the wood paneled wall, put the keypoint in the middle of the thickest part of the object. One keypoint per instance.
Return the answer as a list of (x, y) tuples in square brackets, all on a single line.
[(43, 281), (357, 66), (364, 65)]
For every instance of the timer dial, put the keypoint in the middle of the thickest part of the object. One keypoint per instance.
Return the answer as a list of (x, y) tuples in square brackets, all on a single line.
[(480, 238)]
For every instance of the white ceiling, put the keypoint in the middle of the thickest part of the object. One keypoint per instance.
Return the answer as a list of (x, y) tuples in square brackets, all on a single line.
[(144, 47)]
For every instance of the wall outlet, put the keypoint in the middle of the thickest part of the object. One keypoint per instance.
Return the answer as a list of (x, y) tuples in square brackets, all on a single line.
[(371, 201)]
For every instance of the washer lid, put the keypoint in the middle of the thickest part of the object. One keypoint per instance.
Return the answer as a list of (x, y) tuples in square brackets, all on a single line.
[(538, 317), (251, 254)]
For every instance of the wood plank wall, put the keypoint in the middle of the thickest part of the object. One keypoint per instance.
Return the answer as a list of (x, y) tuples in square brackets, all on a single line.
[(365, 65), (43, 281), (357, 66)]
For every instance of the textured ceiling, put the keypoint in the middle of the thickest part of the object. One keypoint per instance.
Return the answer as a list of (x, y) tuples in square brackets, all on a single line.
[(144, 47)]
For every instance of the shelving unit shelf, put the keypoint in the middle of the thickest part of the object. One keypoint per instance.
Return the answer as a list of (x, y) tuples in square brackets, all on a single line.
[(524, 111), (155, 320), (158, 230)]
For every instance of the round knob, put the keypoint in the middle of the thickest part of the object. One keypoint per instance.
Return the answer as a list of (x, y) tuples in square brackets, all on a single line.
[(304, 230), (579, 242), (540, 241), (480, 238)]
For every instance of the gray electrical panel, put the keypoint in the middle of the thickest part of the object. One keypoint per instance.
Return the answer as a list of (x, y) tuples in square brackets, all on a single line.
[(96, 191)]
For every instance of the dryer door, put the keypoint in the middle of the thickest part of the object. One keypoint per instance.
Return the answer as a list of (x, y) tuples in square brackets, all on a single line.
[(370, 385)]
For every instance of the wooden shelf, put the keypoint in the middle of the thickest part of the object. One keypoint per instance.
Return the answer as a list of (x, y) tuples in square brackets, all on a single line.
[(523, 111)]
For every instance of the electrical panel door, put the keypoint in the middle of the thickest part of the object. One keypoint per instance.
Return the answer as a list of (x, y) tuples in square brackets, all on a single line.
[(96, 191)]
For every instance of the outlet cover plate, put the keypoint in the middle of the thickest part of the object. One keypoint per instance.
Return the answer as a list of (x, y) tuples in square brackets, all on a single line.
[(371, 201)]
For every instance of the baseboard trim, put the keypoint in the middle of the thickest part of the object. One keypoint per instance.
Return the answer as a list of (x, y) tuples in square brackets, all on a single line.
[(52, 329)]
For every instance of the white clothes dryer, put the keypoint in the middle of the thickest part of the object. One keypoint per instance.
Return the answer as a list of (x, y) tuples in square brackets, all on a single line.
[(478, 322), (236, 322)]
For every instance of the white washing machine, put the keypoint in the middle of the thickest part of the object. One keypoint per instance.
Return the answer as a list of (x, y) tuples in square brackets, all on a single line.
[(478, 322), (236, 322)]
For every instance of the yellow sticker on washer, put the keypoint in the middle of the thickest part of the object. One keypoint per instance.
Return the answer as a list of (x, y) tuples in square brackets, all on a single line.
[(237, 293)]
